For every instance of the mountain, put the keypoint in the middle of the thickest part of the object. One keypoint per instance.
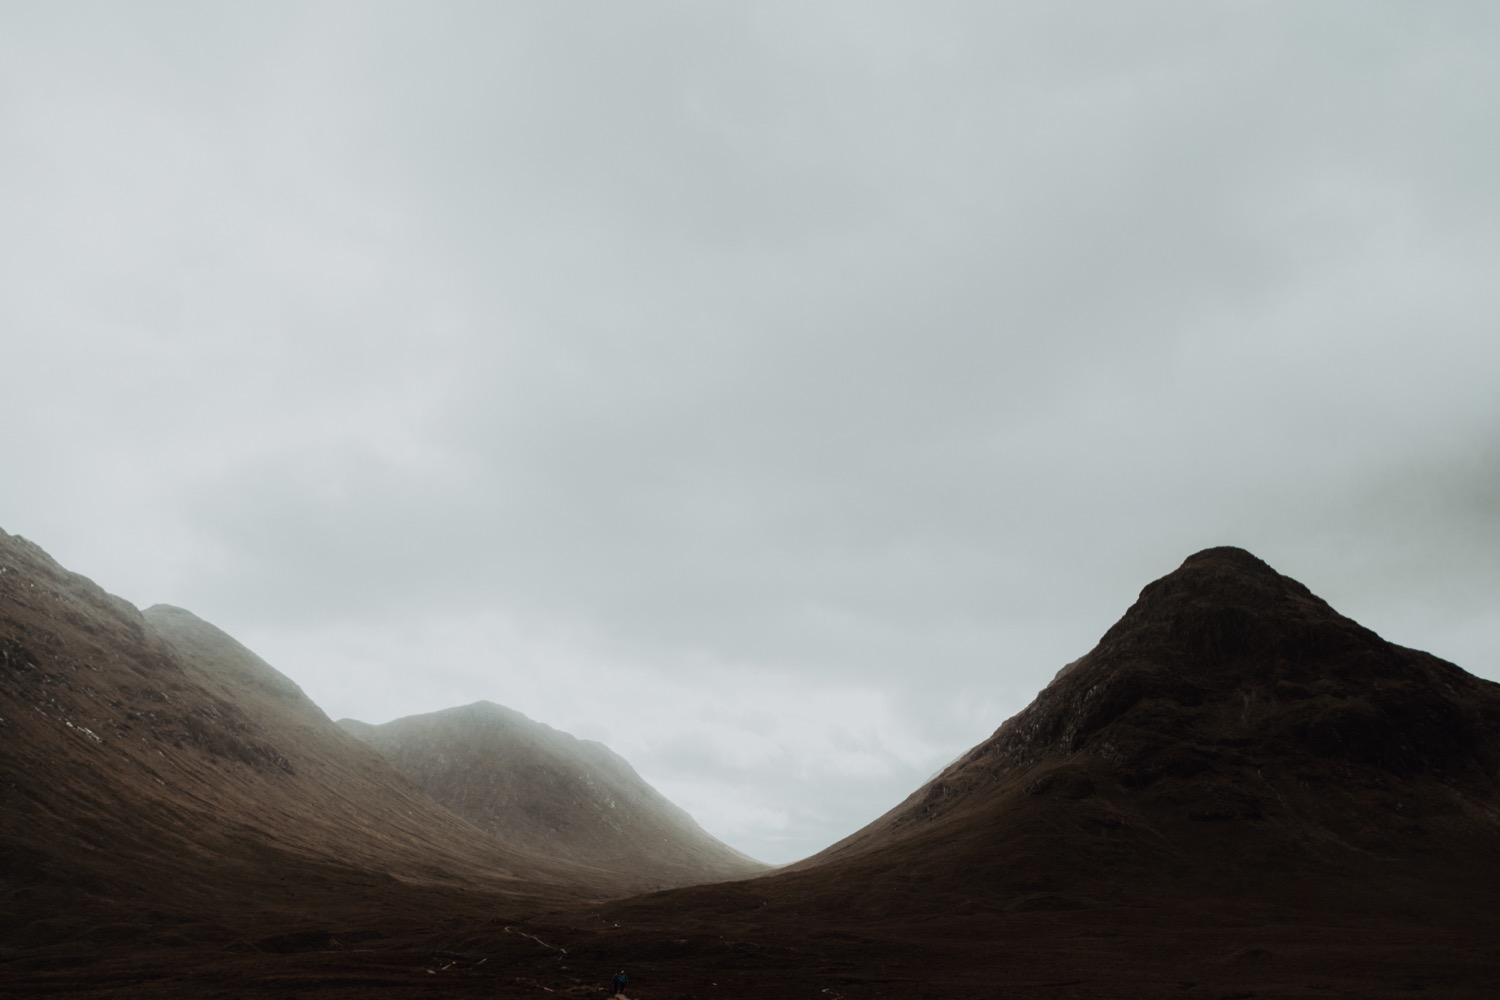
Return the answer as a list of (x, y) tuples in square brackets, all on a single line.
[(551, 793), (1237, 791), (1229, 704), (156, 773)]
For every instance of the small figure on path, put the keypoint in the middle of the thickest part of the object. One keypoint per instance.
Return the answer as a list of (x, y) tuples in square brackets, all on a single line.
[(617, 984)]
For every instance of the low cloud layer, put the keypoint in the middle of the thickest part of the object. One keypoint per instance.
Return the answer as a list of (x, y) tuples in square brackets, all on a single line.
[(779, 394)]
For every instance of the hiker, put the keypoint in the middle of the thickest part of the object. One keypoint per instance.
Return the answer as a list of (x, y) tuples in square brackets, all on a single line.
[(617, 984)]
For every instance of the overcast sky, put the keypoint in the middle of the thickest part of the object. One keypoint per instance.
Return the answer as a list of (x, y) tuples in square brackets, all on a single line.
[(777, 392)]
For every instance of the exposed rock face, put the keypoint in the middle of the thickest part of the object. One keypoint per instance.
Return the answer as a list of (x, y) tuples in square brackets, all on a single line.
[(552, 794), (1244, 653)]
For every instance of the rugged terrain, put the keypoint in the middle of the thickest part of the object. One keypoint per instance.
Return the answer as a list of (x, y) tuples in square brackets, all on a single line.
[(1237, 792), (161, 782), (530, 785)]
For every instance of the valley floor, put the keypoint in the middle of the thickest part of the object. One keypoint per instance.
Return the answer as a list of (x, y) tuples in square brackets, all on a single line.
[(1062, 955)]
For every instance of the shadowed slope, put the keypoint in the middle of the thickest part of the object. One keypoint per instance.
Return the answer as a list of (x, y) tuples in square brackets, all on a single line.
[(553, 794), (1229, 706), (154, 771), (1237, 789), (1238, 792)]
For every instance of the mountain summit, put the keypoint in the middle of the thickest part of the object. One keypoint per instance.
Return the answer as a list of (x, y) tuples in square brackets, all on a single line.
[(551, 793), (1232, 713), (1227, 650), (1237, 792)]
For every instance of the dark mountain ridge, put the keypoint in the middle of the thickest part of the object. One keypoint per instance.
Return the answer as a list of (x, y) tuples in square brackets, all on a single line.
[(1229, 693), (1232, 694), (1237, 789)]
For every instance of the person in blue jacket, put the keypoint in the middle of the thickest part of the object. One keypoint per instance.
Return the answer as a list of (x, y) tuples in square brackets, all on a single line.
[(617, 984)]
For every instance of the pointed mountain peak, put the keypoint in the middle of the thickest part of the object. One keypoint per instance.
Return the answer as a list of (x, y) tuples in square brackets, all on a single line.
[(1225, 645), (1229, 692), (1227, 575), (1221, 607), (1230, 555)]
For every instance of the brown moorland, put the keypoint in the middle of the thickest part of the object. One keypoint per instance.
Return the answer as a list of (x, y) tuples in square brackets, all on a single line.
[(164, 787), (1237, 793)]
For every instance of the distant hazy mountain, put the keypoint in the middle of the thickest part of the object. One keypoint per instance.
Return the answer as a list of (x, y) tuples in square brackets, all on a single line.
[(551, 793)]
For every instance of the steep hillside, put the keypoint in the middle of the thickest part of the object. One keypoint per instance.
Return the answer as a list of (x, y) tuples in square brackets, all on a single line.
[(1228, 707), (551, 793), (154, 770), (1238, 791)]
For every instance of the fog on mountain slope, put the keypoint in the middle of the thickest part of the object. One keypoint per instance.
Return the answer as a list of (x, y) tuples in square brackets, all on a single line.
[(533, 786), (151, 762)]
